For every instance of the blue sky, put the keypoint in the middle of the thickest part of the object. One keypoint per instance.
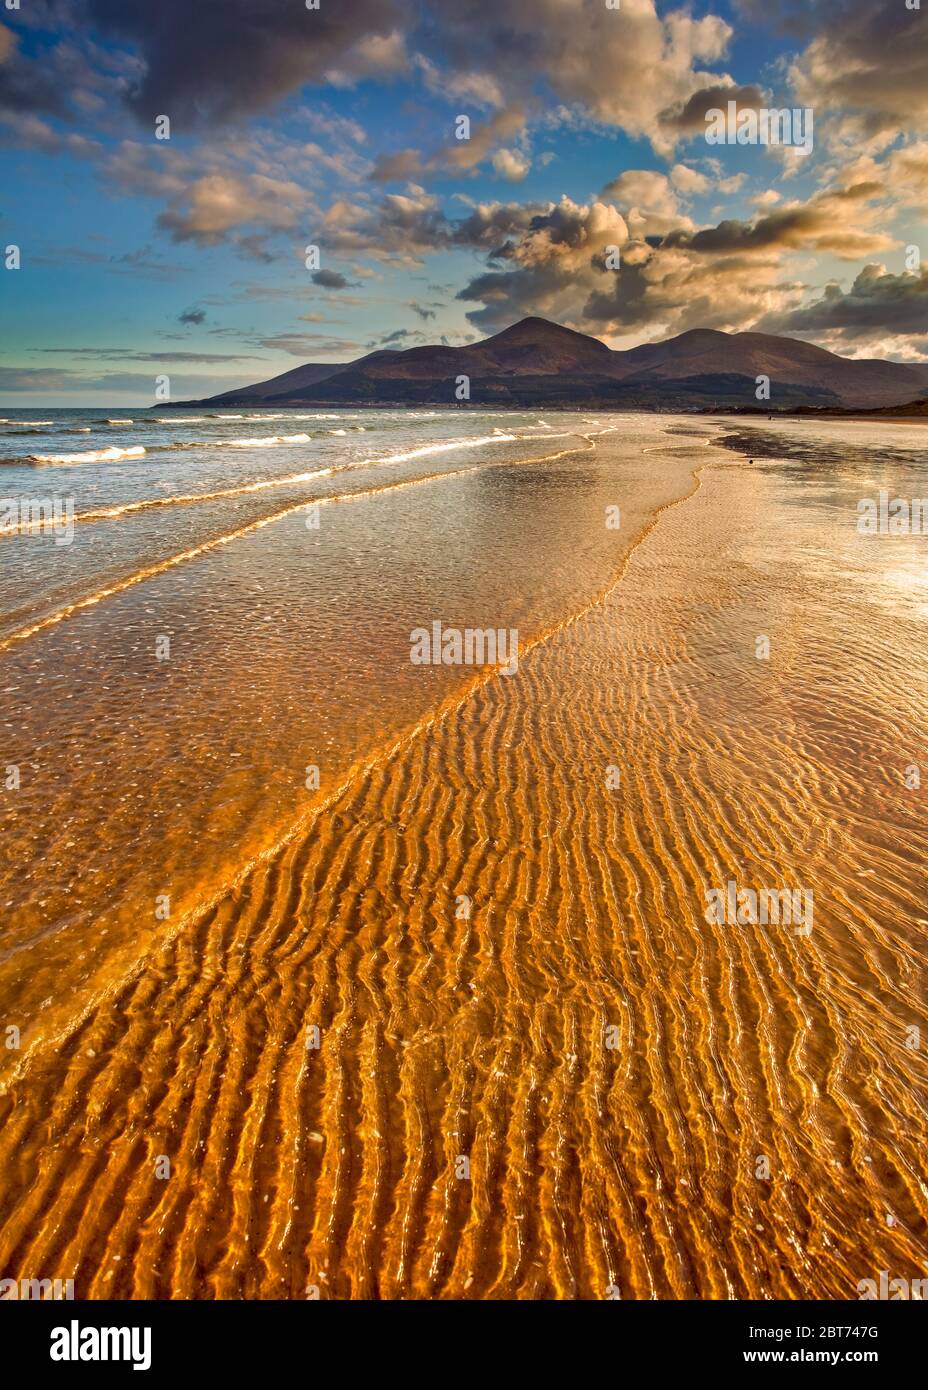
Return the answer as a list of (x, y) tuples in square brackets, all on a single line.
[(337, 128)]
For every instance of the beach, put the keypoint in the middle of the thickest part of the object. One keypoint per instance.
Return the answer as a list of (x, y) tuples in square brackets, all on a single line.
[(454, 1018)]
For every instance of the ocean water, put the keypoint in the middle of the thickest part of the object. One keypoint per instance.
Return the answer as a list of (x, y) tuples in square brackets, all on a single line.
[(487, 934)]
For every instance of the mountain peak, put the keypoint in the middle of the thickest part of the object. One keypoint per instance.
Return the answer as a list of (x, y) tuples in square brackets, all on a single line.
[(535, 329)]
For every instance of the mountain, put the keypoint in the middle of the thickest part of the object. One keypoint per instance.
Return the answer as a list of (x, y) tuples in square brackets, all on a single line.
[(537, 363), (288, 382)]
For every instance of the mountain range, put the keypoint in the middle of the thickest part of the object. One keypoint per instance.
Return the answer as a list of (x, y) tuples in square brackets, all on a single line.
[(536, 363)]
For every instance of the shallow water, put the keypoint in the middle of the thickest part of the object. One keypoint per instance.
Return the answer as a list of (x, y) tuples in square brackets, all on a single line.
[(508, 959)]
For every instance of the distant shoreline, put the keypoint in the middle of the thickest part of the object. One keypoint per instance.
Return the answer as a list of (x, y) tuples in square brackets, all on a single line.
[(889, 413)]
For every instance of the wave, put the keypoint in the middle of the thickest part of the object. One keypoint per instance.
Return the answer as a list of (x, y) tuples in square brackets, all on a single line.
[(267, 441), (110, 513), (334, 499), (276, 415), (263, 415), (113, 454), (263, 441), (441, 448), (91, 456)]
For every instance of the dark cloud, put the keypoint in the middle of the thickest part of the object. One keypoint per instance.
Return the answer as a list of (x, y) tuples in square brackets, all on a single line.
[(878, 302), (691, 114), (331, 280), (866, 61), (193, 317), (27, 85), (211, 60), (826, 222), (216, 60), (402, 338)]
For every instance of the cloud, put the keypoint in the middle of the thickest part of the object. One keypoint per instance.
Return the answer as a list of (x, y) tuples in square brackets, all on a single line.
[(253, 246), (647, 200), (838, 221), (142, 261), (548, 258), (129, 355), (39, 379), (511, 164), (322, 119), (462, 155), (212, 206), (478, 88), (690, 116), (552, 254), (399, 167), (877, 304), (27, 86), (624, 67), (47, 381), (399, 335), (867, 61), (219, 59), (330, 280), (689, 181), (906, 175), (527, 72), (401, 227), (305, 344), (553, 262)]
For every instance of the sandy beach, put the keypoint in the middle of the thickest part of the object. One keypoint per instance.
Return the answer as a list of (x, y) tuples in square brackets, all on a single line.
[(460, 1028)]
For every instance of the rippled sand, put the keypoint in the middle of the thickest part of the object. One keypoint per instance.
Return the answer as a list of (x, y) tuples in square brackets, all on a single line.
[(540, 1072)]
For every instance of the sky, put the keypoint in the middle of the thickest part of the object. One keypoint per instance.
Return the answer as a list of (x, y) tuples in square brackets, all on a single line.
[(338, 128)]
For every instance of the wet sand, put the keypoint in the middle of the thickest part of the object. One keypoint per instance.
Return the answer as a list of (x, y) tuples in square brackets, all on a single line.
[(541, 1072)]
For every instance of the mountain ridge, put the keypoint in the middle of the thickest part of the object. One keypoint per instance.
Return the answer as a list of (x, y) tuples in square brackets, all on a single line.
[(536, 362)]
